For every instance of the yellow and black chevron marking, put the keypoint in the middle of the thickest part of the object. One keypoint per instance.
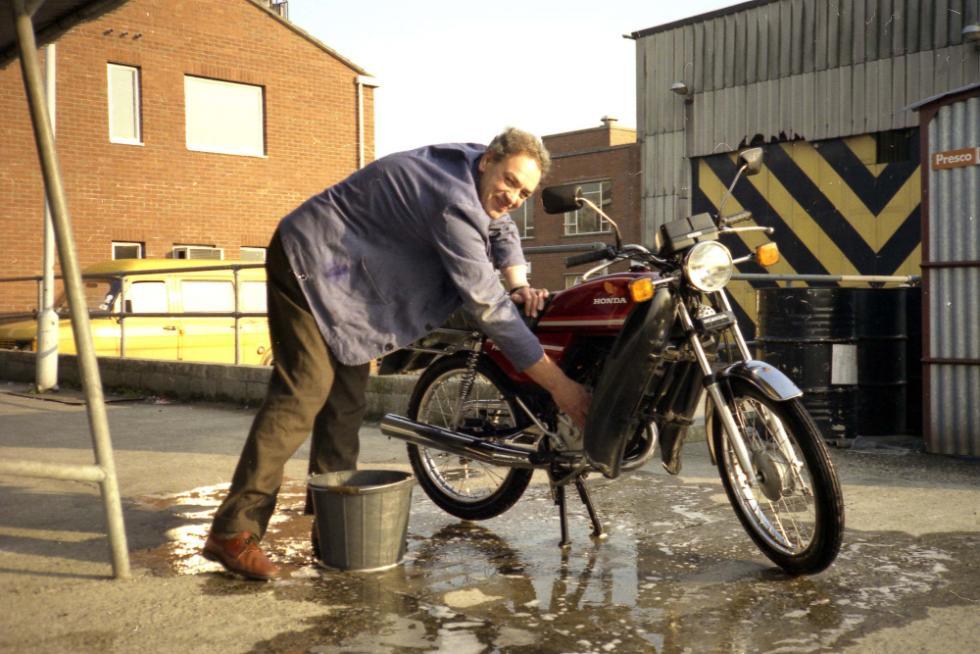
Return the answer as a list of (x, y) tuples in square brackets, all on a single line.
[(835, 210)]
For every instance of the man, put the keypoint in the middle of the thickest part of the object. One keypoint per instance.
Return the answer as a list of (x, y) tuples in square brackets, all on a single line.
[(367, 266)]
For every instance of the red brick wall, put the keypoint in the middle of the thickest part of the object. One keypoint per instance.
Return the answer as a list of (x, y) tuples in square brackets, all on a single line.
[(620, 165), (160, 193)]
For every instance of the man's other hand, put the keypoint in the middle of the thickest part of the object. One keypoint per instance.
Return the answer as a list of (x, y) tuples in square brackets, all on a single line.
[(533, 299)]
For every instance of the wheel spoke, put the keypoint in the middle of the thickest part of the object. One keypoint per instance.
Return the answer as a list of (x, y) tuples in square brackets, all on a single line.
[(787, 522), (464, 479)]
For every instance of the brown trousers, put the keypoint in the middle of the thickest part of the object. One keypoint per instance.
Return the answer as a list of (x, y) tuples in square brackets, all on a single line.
[(309, 389)]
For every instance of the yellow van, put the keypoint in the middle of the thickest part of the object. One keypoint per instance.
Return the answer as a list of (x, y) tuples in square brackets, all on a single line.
[(161, 309)]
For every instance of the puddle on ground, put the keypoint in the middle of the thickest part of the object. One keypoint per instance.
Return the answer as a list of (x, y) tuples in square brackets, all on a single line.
[(677, 573)]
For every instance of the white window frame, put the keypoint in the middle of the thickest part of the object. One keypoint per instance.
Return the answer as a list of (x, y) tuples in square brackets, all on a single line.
[(136, 100), (593, 191), (523, 218), (139, 247), (572, 279), (194, 125), (176, 250), (255, 254)]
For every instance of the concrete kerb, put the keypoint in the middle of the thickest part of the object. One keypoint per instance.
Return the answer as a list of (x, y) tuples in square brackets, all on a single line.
[(194, 381)]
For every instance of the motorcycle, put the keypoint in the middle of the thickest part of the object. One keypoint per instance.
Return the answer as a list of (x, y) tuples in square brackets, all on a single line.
[(650, 343)]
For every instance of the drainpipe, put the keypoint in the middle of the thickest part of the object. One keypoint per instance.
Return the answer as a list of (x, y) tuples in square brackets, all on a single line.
[(361, 81), (46, 362)]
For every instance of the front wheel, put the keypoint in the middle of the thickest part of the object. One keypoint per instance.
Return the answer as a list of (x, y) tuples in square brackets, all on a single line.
[(465, 488), (794, 513)]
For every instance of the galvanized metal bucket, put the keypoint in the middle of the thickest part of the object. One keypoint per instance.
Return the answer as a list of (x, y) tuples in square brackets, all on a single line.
[(361, 518)]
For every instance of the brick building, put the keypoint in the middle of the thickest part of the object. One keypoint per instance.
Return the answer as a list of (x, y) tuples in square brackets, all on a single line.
[(193, 124), (605, 162)]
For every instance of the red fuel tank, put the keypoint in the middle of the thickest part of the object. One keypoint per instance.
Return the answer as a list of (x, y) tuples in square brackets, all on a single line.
[(600, 306), (595, 308)]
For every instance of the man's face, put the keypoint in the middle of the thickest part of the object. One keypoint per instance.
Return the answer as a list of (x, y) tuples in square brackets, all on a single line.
[(506, 184)]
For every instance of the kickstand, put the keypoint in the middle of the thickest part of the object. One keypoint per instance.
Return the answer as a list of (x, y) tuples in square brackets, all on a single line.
[(562, 515), (583, 493)]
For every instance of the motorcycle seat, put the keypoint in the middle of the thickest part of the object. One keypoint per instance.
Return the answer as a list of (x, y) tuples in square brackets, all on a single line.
[(460, 319)]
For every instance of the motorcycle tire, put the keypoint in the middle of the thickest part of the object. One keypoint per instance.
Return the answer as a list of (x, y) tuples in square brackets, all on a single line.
[(465, 488), (796, 519)]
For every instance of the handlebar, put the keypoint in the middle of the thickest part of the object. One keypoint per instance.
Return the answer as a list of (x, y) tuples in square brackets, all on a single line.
[(588, 257), (735, 218)]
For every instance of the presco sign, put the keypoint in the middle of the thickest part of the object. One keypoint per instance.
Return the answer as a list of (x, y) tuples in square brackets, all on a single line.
[(955, 158)]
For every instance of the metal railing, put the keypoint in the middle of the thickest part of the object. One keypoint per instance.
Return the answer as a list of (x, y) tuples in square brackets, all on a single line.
[(237, 315), (123, 314), (104, 471), (872, 280)]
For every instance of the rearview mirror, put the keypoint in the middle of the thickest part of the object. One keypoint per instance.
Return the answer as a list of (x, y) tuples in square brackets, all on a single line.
[(753, 160), (559, 199)]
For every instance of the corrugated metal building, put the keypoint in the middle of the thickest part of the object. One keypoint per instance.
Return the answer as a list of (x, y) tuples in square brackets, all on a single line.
[(826, 88), (782, 70), (950, 126)]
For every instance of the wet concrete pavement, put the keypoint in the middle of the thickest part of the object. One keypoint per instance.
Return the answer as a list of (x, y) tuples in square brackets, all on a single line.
[(676, 574)]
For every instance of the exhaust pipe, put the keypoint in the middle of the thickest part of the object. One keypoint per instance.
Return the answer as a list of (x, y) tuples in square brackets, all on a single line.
[(454, 442)]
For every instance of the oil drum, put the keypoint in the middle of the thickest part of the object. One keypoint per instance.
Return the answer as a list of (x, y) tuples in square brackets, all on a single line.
[(809, 334), (882, 348), (848, 350)]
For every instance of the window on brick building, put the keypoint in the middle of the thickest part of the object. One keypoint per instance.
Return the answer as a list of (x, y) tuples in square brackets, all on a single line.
[(585, 220), (572, 279), (224, 117), (197, 252), (252, 254), (124, 104), (127, 250), (524, 219)]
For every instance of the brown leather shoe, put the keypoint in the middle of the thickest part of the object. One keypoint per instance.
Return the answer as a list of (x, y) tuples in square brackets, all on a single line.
[(240, 554)]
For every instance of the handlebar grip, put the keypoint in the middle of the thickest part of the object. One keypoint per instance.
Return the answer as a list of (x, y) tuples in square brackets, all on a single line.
[(739, 217), (588, 257)]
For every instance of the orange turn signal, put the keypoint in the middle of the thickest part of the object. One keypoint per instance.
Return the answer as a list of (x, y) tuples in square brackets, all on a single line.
[(641, 289), (766, 255)]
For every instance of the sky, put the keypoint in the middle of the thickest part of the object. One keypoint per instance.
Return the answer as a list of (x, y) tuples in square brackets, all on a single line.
[(459, 70)]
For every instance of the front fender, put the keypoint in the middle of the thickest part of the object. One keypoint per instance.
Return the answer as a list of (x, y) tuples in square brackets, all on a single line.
[(770, 380), (623, 381)]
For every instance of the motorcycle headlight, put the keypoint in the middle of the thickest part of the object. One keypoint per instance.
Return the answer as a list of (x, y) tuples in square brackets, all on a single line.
[(708, 266)]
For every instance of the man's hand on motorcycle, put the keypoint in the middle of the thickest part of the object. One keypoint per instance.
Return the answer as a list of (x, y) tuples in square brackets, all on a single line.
[(574, 400), (533, 299)]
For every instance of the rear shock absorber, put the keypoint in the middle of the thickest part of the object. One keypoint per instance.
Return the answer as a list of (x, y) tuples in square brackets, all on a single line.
[(466, 385)]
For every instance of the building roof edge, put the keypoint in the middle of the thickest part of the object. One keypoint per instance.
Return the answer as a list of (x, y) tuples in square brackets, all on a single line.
[(595, 150), (690, 20), (309, 37), (940, 96)]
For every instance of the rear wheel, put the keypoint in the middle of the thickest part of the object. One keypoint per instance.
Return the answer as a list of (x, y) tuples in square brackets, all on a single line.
[(795, 515), (466, 488)]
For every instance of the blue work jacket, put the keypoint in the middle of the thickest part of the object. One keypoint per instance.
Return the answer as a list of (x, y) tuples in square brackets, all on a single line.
[(385, 256)]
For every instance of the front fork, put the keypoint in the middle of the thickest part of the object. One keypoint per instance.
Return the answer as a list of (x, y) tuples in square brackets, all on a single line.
[(713, 388)]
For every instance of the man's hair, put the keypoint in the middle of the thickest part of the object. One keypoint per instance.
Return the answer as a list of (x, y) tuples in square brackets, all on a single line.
[(515, 141)]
